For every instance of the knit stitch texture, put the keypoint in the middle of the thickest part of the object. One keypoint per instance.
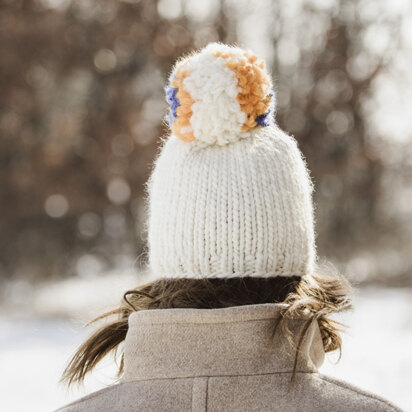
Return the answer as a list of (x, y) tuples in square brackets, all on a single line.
[(229, 194)]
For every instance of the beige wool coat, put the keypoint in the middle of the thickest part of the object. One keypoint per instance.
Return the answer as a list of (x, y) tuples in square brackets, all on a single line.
[(223, 360)]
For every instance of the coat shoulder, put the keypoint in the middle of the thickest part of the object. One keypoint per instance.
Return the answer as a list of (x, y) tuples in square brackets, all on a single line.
[(174, 395), (312, 392), (343, 391), (83, 404)]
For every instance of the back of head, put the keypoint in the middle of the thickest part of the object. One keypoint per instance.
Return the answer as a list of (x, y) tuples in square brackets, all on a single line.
[(230, 208), (230, 224)]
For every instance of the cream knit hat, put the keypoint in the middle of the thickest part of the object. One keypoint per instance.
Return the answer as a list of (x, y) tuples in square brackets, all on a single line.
[(229, 194)]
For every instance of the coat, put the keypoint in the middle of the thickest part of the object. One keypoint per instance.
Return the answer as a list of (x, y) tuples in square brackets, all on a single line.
[(178, 360)]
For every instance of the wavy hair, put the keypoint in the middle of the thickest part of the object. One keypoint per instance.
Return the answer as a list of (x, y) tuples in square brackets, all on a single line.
[(315, 297)]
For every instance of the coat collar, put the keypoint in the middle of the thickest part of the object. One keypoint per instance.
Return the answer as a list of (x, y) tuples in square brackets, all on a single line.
[(177, 343)]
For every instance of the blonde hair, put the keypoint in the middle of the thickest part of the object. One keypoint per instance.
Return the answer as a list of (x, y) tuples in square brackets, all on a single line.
[(317, 296)]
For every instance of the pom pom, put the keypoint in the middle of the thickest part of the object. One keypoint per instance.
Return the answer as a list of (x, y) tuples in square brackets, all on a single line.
[(219, 95)]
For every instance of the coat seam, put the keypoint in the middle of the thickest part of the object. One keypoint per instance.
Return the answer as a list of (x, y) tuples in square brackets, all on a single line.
[(203, 322), (221, 376), (207, 392), (193, 388), (200, 385)]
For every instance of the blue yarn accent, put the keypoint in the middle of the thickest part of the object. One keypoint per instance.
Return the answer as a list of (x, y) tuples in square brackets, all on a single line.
[(171, 98), (265, 119)]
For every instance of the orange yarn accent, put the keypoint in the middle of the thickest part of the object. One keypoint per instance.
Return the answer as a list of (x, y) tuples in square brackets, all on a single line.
[(184, 110), (254, 82)]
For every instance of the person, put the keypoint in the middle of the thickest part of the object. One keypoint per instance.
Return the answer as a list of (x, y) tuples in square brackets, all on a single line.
[(237, 315)]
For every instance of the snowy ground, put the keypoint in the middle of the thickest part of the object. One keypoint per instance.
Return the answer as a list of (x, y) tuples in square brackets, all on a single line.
[(33, 350)]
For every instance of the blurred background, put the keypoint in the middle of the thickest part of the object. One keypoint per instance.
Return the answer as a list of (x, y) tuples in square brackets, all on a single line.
[(81, 113)]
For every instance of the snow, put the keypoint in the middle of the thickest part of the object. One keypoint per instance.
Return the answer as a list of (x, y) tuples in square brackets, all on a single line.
[(376, 353)]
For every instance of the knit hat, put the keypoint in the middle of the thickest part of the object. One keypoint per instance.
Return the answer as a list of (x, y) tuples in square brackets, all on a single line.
[(229, 194)]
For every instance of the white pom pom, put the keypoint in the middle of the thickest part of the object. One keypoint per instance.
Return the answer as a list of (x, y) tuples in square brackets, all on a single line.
[(219, 95)]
